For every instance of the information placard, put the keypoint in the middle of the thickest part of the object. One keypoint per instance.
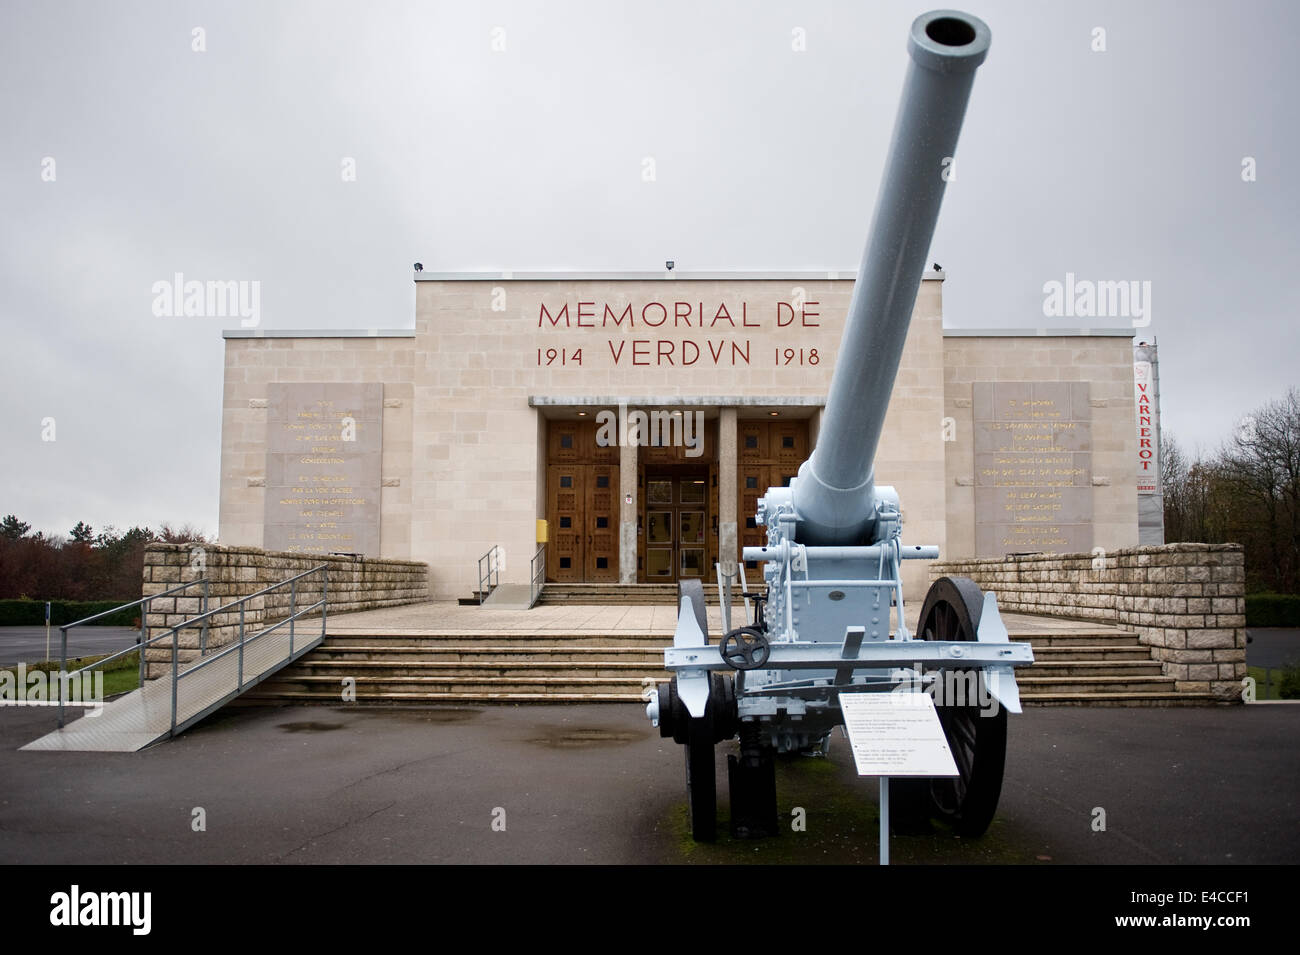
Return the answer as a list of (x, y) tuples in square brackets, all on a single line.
[(896, 734)]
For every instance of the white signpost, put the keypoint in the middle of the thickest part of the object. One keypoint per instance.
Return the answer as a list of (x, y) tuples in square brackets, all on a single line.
[(1148, 463), (895, 734)]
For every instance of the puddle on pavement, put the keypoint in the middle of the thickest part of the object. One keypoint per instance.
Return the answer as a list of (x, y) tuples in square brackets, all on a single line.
[(309, 726), (412, 714), (565, 738)]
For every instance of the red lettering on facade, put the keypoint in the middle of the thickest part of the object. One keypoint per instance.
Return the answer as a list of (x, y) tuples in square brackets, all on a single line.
[(618, 319), (562, 313)]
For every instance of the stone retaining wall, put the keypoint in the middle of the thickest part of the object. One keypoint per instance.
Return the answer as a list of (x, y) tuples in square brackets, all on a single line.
[(1185, 601), (234, 572)]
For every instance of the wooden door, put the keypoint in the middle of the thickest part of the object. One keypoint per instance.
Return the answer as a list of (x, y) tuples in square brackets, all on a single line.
[(769, 453), (789, 443), (754, 483), (566, 504), (601, 550)]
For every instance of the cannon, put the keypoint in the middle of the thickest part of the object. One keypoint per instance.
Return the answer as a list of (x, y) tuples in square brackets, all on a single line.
[(832, 584)]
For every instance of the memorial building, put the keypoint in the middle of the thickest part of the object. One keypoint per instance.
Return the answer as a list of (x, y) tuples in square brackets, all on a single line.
[(632, 420)]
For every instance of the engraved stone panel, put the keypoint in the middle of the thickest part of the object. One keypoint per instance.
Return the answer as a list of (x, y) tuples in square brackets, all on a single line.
[(1033, 467), (323, 452)]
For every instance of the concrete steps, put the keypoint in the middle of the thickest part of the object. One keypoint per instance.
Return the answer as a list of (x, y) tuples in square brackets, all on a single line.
[(498, 655), (624, 595), (475, 640), (1075, 665), (500, 667), (1091, 667)]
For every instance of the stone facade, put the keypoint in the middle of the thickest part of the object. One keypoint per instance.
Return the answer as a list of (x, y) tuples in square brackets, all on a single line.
[(1185, 601), (1105, 363), (470, 392), (234, 572), (253, 364)]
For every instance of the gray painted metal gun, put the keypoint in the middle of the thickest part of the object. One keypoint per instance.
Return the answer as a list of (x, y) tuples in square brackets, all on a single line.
[(832, 574)]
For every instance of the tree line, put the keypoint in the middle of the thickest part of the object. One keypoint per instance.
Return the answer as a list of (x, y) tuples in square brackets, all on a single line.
[(1246, 492), (84, 565)]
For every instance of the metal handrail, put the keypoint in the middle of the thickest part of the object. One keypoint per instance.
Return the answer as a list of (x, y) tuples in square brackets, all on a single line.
[(538, 576), (488, 580), (141, 642), (294, 614), (202, 618)]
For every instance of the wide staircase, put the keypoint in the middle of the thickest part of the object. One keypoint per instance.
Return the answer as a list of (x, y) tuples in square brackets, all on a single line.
[(1076, 664), (478, 668), (626, 595), (1089, 666)]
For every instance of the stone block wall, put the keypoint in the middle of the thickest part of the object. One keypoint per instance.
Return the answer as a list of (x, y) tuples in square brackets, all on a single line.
[(234, 572), (1185, 601), (1104, 361)]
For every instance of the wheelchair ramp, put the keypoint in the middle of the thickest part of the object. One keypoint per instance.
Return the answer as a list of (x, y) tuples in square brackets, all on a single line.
[(144, 716)]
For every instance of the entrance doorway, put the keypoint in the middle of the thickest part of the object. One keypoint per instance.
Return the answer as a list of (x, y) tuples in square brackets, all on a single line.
[(583, 510), (581, 505), (676, 503), (676, 522)]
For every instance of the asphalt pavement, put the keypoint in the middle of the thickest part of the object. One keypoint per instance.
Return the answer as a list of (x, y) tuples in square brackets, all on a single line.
[(27, 644), (595, 783)]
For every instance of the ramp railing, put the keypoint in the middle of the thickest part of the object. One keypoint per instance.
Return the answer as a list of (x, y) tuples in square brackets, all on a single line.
[(141, 641), (489, 572), (538, 576), (295, 583)]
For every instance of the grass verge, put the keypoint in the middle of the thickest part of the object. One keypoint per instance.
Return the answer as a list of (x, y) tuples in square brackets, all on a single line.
[(120, 676)]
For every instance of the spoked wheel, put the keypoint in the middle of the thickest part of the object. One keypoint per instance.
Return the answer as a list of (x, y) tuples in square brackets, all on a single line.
[(978, 740)]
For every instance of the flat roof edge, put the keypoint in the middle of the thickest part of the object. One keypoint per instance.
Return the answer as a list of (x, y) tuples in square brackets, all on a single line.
[(1124, 332), (807, 275), (585, 401), (318, 333)]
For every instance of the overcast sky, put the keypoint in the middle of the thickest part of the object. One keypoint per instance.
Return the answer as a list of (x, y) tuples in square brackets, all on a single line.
[(226, 164)]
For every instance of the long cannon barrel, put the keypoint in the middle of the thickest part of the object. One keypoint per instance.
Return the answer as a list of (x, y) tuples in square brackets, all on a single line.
[(834, 494)]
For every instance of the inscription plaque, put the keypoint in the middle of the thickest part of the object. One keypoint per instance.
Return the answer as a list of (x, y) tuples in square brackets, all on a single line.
[(1033, 467), (323, 455)]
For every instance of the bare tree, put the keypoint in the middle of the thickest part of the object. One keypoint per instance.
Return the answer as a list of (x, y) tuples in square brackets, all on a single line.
[(1248, 492), (1262, 462)]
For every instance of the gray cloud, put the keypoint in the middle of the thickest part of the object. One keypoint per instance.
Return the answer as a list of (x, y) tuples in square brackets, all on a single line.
[(225, 164)]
